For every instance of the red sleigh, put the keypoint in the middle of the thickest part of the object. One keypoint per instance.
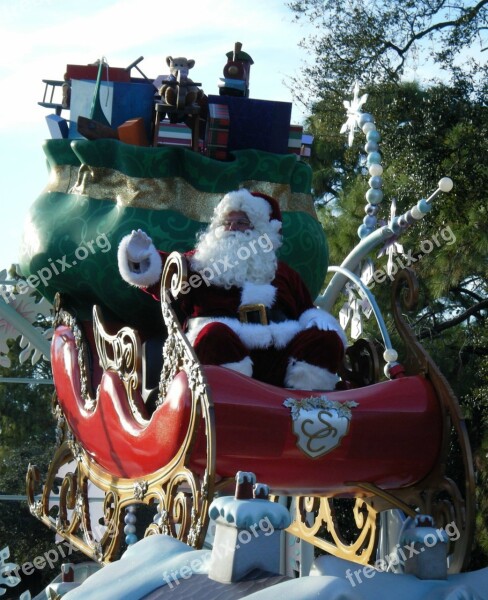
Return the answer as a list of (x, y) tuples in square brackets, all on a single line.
[(381, 444), (170, 447)]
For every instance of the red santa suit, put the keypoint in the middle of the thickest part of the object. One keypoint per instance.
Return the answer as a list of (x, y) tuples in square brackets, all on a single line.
[(286, 341)]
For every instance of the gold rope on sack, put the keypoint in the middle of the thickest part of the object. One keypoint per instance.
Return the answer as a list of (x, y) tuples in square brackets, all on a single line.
[(162, 193)]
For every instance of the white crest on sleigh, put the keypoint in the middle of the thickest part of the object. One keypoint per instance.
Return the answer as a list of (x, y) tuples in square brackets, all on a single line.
[(319, 423)]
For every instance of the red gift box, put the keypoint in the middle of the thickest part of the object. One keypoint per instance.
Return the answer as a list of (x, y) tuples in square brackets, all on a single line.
[(217, 132), (295, 139)]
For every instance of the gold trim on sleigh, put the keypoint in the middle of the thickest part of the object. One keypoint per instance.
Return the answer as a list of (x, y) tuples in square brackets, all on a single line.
[(75, 483)]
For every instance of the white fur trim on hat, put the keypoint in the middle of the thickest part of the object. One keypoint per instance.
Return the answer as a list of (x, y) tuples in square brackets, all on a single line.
[(301, 375), (244, 366), (316, 317), (149, 271), (256, 208)]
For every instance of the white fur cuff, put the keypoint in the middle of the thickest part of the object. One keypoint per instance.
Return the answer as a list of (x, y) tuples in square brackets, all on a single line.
[(301, 375), (255, 293), (148, 273), (244, 366), (316, 317)]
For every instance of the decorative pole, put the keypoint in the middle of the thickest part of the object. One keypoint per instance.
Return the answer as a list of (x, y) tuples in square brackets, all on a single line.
[(369, 234), (370, 237)]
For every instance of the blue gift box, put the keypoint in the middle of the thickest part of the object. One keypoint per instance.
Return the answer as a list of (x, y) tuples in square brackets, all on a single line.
[(259, 124)]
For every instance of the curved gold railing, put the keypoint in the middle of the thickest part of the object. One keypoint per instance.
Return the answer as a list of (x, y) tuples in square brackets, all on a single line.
[(75, 483)]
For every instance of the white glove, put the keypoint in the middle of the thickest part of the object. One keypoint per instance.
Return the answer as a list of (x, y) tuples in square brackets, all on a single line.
[(138, 260), (316, 317), (139, 247)]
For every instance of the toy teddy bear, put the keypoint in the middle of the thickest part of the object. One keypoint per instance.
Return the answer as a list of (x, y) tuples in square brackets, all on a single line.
[(179, 68)]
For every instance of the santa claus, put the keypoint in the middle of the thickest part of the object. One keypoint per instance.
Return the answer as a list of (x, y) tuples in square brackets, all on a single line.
[(245, 310)]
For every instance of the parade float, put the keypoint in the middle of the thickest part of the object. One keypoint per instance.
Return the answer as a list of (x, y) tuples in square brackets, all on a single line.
[(149, 441)]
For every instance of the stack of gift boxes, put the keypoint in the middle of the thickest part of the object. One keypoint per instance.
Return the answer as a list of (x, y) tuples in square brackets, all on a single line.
[(295, 139), (217, 135), (306, 148), (219, 142), (298, 142)]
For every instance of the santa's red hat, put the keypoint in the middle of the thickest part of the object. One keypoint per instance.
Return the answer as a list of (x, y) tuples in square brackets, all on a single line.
[(275, 213), (262, 210)]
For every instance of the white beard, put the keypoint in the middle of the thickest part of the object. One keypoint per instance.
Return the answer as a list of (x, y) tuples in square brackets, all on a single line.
[(228, 258)]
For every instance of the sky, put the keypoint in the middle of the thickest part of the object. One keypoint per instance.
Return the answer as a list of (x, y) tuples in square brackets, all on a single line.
[(43, 36)]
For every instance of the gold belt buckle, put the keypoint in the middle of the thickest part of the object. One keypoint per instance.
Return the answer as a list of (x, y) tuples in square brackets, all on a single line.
[(245, 309)]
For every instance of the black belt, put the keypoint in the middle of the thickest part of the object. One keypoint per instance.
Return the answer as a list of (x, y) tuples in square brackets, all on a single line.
[(258, 313)]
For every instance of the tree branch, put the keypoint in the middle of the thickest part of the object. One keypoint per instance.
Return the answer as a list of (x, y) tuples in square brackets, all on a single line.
[(473, 310), (470, 293), (466, 16)]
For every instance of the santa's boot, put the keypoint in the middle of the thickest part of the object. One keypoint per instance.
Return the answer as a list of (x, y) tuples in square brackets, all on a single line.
[(315, 359), (301, 375)]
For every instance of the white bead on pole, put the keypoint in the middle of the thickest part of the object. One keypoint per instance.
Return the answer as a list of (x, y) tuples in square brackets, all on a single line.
[(445, 184), (375, 169), (390, 355)]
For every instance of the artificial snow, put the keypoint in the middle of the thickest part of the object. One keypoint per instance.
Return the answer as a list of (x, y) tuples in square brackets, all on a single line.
[(156, 560)]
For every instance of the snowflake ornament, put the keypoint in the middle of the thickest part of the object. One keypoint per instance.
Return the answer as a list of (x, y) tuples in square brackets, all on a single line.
[(353, 110), (26, 305), (357, 307), (392, 247), (6, 579)]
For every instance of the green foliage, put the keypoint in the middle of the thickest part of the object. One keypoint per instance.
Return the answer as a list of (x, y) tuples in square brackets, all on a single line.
[(472, 377), (25, 536), (426, 134), (26, 436), (24, 408)]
